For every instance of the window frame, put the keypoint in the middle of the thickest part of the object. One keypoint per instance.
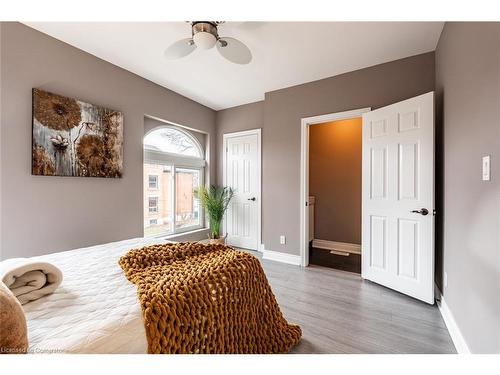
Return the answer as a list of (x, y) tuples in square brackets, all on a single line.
[(175, 161)]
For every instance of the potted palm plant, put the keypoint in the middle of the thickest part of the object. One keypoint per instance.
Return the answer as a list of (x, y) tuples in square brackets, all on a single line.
[(215, 200)]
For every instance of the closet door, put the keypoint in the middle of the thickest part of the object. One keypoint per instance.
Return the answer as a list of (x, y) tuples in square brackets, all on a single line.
[(242, 173)]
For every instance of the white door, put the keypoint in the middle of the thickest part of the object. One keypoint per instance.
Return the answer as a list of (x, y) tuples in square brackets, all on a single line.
[(398, 197), (242, 173)]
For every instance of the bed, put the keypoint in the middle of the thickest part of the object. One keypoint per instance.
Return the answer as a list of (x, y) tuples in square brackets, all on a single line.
[(95, 310), (192, 298)]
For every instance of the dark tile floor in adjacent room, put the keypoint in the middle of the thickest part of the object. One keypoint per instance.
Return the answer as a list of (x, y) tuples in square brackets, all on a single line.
[(340, 261)]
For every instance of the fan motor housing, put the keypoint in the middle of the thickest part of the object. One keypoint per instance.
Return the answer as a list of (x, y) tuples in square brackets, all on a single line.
[(205, 26)]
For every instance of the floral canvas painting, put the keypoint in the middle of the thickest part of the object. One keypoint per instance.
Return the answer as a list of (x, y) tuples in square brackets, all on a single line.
[(73, 138)]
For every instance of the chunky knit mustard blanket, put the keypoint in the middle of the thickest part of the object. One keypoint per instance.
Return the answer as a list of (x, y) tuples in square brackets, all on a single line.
[(199, 298)]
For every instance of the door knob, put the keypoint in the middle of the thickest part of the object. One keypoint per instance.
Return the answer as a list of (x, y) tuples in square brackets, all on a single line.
[(422, 211), (252, 199)]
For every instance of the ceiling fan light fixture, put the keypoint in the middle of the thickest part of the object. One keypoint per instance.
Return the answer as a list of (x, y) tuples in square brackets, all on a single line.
[(204, 35), (204, 40)]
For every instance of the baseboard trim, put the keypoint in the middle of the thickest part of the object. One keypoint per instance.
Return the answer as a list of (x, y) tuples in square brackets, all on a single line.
[(281, 257), (343, 247), (455, 333)]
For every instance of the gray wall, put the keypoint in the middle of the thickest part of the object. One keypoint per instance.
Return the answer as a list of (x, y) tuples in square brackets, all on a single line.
[(468, 92), (280, 115), (243, 117), (41, 215), (335, 180)]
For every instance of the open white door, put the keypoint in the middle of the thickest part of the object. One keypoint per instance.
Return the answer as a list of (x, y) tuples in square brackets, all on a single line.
[(398, 197), (242, 171)]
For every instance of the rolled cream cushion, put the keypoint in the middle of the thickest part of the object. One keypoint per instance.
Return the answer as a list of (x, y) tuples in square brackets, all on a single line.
[(14, 331), (29, 279)]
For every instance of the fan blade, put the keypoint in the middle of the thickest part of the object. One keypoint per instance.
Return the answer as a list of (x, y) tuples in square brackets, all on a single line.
[(180, 49), (234, 50)]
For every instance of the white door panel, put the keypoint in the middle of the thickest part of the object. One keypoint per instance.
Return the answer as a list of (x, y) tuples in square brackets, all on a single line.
[(398, 178), (242, 173)]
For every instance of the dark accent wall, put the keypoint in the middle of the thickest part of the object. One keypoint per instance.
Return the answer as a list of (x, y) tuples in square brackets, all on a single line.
[(280, 115), (335, 179), (468, 127), (41, 215)]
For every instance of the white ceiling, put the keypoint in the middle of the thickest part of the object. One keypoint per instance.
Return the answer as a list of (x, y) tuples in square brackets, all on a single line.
[(284, 53)]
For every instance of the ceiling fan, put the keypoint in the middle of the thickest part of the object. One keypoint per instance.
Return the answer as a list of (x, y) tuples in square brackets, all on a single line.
[(204, 35)]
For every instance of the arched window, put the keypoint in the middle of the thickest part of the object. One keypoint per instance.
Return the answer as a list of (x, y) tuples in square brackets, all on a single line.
[(172, 141), (174, 166)]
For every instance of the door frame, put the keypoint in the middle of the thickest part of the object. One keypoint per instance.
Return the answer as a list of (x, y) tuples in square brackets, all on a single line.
[(304, 171), (225, 138)]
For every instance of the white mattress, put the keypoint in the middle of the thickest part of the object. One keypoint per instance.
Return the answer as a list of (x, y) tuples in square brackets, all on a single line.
[(94, 310)]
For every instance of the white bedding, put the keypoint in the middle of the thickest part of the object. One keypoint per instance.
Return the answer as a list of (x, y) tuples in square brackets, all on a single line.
[(94, 310)]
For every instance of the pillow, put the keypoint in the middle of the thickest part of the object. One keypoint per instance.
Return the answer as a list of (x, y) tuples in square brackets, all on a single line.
[(14, 332)]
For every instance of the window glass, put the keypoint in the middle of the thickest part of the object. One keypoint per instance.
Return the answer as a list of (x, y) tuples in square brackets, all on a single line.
[(172, 141), (153, 204), (169, 203), (158, 204), (153, 182), (187, 208)]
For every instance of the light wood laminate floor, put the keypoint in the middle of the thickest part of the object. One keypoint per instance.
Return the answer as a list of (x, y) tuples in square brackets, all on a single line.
[(341, 313)]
